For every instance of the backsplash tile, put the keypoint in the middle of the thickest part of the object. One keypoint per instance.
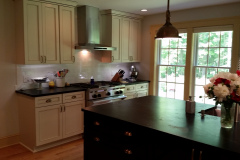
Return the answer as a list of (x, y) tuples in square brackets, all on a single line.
[(84, 67)]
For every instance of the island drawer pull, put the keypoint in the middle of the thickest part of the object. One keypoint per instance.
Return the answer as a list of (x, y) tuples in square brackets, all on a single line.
[(96, 139), (48, 100), (96, 123), (127, 133), (127, 151), (192, 158), (73, 97), (200, 155)]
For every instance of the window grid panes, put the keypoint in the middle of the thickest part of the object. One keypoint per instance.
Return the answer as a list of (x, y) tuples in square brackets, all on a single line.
[(213, 55), (172, 59)]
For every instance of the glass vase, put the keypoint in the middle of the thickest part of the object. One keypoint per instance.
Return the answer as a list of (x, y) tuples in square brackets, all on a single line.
[(227, 115)]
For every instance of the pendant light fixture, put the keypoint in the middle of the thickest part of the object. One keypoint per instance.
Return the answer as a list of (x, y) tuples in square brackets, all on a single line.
[(167, 30)]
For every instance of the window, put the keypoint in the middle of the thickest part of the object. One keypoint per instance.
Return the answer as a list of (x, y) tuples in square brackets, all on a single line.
[(171, 67), (213, 50)]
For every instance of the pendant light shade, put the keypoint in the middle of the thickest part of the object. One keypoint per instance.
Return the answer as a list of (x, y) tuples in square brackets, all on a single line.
[(167, 30)]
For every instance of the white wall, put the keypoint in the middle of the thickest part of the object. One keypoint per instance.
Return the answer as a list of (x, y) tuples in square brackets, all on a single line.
[(8, 107), (226, 10)]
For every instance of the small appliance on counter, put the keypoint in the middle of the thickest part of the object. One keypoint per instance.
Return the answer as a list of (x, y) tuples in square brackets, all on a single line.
[(118, 76), (40, 80), (133, 74)]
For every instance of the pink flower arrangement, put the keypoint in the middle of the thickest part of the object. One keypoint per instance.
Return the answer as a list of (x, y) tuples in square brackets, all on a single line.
[(224, 87)]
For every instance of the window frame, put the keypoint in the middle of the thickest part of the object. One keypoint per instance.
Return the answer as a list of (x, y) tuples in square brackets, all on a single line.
[(189, 26)]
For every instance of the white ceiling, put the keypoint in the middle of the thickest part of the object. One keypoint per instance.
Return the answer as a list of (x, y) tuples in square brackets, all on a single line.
[(153, 6)]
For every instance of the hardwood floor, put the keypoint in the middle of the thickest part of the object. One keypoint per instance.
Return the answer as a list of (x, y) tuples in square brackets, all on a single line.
[(68, 151)]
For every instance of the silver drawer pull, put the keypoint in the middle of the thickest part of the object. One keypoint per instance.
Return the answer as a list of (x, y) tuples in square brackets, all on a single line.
[(73, 97), (96, 139), (127, 151), (48, 100), (127, 133), (96, 123)]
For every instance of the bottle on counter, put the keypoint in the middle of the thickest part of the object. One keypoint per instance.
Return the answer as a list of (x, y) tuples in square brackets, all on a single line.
[(92, 81), (190, 106)]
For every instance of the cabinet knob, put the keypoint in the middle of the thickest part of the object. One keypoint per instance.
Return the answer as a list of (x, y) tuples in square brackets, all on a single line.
[(73, 97), (127, 151), (48, 100), (96, 139), (127, 133), (96, 123)]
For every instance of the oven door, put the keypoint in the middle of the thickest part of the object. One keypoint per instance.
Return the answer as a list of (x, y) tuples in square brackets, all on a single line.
[(105, 100)]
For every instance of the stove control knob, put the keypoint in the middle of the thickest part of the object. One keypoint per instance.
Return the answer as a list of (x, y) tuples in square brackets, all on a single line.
[(117, 92), (99, 95), (94, 96), (120, 92), (108, 94)]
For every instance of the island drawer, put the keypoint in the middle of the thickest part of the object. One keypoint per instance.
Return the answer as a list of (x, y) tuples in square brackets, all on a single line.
[(73, 96), (48, 100), (111, 150), (114, 130)]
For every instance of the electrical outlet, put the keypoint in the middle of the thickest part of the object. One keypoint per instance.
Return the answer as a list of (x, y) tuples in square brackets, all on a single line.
[(26, 79)]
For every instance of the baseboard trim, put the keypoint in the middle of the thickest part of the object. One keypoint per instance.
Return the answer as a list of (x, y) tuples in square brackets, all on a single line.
[(53, 144), (9, 140)]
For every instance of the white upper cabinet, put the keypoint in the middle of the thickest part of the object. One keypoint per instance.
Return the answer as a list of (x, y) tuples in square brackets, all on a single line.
[(67, 35), (122, 30), (44, 32)]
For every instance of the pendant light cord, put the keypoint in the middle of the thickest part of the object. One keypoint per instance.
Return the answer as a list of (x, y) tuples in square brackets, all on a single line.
[(168, 14)]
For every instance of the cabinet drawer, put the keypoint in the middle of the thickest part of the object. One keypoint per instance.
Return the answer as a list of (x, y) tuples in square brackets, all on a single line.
[(48, 100), (130, 88), (130, 95), (142, 86), (73, 96), (142, 93)]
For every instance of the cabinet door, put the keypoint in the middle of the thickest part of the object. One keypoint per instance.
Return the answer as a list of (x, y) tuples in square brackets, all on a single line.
[(134, 40), (50, 33), (73, 118), (33, 33), (48, 124), (125, 39), (67, 39), (116, 38)]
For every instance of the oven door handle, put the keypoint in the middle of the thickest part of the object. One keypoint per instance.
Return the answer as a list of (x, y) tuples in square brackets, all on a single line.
[(99, 102)]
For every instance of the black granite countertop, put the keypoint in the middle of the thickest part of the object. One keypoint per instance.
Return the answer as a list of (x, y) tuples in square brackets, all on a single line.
[(169, 116), (48, 91), (56, 90)]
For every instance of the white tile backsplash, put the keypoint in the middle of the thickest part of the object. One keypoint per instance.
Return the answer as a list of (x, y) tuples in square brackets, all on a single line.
[(84, 67)]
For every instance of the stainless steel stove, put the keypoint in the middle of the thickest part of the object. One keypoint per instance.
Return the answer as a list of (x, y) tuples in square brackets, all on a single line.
[(102, 92)]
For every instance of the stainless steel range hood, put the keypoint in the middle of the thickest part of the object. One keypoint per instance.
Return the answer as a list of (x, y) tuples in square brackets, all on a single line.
[(89, 30)]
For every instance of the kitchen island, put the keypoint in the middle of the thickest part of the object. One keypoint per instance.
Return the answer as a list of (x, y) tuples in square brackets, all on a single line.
[(152, 127)]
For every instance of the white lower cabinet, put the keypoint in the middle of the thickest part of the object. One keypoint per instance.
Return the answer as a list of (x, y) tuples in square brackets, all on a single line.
[(136, 90), (48, 119)]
